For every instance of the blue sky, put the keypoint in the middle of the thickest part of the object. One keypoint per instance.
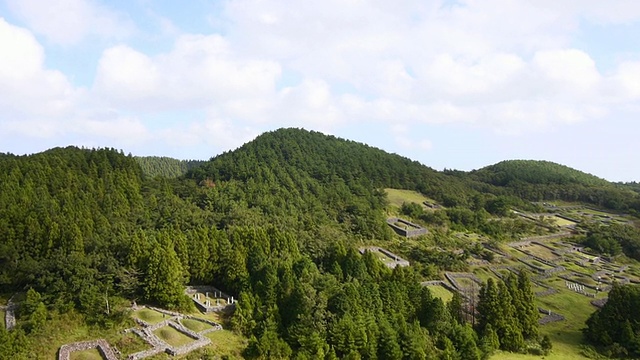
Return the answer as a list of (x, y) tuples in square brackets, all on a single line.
[(452, 84)]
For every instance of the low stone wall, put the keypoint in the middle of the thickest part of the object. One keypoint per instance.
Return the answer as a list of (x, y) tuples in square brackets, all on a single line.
[(548, 237), (102, 345), (415, 230), (10, 314), (547, 292), (159, 346), (229, 307), (549, 317), (599, 302), (397, 260), (444, 284), (453, 276)]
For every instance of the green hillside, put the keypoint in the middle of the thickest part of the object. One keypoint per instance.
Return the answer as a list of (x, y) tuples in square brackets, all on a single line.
[(510, 172), (544, 181), (277, 224)]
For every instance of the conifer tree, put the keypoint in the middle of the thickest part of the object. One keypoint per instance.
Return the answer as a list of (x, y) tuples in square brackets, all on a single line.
[(528, 313)]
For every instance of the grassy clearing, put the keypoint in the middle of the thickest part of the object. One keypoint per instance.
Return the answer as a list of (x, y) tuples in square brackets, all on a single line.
[(195, 325), (565, 335), (1, 319), (128, 343), (397, 197), (150, 316), (563, 222), (541, 252), (172, 336), (440, 292), (92, 354), (225, 342)]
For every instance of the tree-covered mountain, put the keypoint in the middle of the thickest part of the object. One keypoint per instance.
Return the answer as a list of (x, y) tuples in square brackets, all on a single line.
[(512, 172), (276, 223), (167, 167), (543, 180)]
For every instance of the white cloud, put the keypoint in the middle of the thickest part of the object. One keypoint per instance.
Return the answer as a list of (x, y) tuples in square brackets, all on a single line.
[(68, 22), (27, 88), (199, 71), (628, 77)]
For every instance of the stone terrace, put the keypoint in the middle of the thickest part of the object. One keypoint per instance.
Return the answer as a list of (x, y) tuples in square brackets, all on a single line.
[(146, 333)]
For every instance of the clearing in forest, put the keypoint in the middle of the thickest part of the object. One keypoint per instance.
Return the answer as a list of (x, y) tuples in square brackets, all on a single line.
[(441, 292), (398, 196), (150, 316)]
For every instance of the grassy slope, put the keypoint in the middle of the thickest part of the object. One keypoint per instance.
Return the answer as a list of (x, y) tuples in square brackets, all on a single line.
[(397, 197), (172, 336), (92, 354), (440, 292)]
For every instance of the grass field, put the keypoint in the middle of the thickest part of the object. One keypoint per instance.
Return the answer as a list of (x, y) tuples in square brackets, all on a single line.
[(1, 319), (172, 336), (539, 264), (440, 292), (541, 252), (92, 354), (562, 222), (225, 342), (150, 316), (129, 343), (195, 325), (397, 197)]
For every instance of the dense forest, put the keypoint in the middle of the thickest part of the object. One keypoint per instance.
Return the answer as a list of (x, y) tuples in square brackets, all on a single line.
[(167, 167), (276, 222)]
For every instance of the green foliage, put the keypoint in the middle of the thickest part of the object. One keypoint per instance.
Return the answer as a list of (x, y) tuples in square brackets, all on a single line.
[(544, 180), (277, 223), (507, 312), (614, 328), (613, 240), (166, 167)]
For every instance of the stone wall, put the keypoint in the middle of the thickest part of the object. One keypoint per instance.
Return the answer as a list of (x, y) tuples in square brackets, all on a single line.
[(159, 346), (227, 308), (397, 260), (10, 314), (549, 316), (414, 229), (102, 345)]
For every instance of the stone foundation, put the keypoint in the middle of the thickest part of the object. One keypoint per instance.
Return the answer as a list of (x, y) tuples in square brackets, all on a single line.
[(102, 345)]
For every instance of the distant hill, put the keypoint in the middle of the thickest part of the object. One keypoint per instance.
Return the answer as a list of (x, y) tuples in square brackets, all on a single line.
[(544, 180), (508, 172), (153, 166)]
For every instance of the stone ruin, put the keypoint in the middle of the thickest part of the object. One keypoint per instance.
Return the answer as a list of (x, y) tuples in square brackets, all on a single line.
[(204, 303), (102, 345), (410, 229), (549, 316), (9, 314), (396, 260), (146, 334)]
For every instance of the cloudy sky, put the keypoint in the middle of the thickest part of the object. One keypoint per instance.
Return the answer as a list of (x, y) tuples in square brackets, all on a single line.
[(452, 84)]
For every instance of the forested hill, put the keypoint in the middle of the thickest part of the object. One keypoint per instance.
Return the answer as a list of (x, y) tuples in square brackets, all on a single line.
[(510, 172), (287, 154), (153, 166), (543, 180)]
